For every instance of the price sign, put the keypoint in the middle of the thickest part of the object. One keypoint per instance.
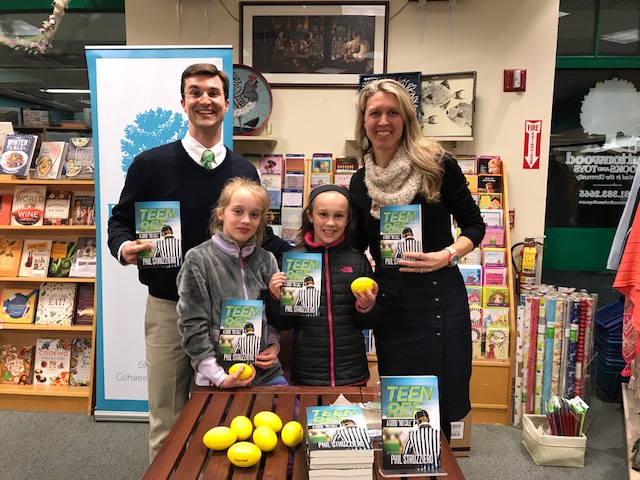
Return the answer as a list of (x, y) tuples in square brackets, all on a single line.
[(532, 135)]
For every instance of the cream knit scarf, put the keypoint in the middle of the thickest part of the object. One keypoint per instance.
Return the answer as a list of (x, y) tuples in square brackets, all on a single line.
[(397, 184)]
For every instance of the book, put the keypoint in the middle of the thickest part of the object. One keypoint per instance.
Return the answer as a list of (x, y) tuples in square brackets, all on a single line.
[(489, 165), (471, 274), (51, 362), (34, 261), (410, 424), (84, 311), (61, 258), (468, 164), (494, 275), (27, 208), (322, 163), (17, 154), (292, 198), (472, 183), (83, 210), (6, 128), (10, 253), (318, 179), (80, 362), (476, 331), (18, 305), (294, 163), (490, 183), (158, 223), (346, 164), (493, 237), (301, 292), (474, 295), (79, 162), (497, 342), (294, 181), (342, 178), (494, 256), (490, 201), (6, 200), (271, 181), (50, 160), (240, 330), (495, 296), (254, 158), (271, 164), (474, 256), (337, 432), (492, 217), (16, 362), (291, 223), (56, 303), (57, 208), (84, 259), (349, 473), (400, 232)]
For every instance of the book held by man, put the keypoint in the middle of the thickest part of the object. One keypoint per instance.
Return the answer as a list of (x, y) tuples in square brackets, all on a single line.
[(240, 330), (158, 223), (400, 232), (300, 294)]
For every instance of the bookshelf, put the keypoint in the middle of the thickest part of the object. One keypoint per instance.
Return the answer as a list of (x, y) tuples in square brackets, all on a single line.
[(45, 397)]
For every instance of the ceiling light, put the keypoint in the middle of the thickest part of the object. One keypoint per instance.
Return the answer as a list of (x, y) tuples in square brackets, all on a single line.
[(19, 28), (623, 37), (64, 90), (562, 14)]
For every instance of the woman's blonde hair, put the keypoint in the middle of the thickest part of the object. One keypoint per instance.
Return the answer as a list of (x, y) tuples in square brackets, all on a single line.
[(425, 154), (259, 193)]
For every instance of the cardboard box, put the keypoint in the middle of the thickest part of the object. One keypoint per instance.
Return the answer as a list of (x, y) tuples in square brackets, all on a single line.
[(461, 436), (552, 450)]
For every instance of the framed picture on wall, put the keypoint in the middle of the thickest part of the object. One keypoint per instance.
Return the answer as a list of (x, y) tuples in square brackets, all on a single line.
[(448, 103), (13, 115), (323, 43), (411, 81)]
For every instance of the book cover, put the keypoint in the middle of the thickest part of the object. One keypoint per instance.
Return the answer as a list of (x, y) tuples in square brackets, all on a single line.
[(497, 342), (494, 256), (271, 164), (291, 223), (83, 210), (17, 154), (34, 261), (158, 223), (400, 232), (322, 163), (79, 164), (292, 198), (240, 330), (56, 303), (301, 292), (495, 296), (490, 201), (57, 208), (294, 181), (16, 363), (410, 423), (275, 198), (274, 216), (468, 164), (492, 217), (346, 164), (27, 208), (294, 163), (80, 362), (254, 158), (494, 275), (10, 253), (493, 237), (336, 431), (18, 305), (271, 181), (61, 259), (50, 159), (475, 313), (489, 183), (318, 179), (6, 128), (6, 200), (472, 183), (84, 308), (471, 274), (489, 165), (474, 256), (84, 258), (51, 362), (474, 295), (343, 179)]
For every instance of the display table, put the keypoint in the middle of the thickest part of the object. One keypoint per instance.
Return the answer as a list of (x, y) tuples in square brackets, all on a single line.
[(183, 455)]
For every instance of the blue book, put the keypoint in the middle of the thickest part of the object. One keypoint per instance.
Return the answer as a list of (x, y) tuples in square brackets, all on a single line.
[(158, 223), (400, 232), (410, 425), (240, 330), (301, 292)]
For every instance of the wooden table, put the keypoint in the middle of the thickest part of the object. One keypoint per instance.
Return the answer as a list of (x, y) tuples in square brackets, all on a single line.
[(183, 456)]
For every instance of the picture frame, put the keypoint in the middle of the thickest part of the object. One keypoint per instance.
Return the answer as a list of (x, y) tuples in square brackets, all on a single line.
[(412, 81), (11, 114), (448, 105), (320, 43)]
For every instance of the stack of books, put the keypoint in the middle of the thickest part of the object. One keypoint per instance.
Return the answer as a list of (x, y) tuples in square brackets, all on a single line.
[(338, 443)]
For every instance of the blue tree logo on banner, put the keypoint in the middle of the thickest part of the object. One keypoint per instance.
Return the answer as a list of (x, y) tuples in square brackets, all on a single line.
[(150, 129)]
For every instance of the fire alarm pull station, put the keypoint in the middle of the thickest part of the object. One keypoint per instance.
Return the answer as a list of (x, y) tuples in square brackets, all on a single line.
[(515, 80)]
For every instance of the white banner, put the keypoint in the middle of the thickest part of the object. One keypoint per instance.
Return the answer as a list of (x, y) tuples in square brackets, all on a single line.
[(135, 100)]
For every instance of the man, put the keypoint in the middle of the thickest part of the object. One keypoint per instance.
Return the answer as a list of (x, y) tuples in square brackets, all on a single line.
[(349, 435), (192, 171), (168, 246), (425, 440), (249, 343), (308, 300), (408, 244)]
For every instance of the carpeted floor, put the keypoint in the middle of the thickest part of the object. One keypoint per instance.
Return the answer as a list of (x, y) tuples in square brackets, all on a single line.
[(64, 446)]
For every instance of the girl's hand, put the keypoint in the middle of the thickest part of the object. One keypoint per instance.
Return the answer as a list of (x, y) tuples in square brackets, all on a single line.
[(268, 357), (415, 262), (367, 298), (276, 283), (232, 381)]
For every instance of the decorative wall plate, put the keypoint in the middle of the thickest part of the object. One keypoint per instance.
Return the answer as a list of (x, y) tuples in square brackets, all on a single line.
[(251, 100)]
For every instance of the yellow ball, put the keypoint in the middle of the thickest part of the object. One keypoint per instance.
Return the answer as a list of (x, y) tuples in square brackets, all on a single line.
[(268, 419), (244, 454), (242, 426), (246, 373), (265, 438), (362, 284), (292, 433), (219, 438)]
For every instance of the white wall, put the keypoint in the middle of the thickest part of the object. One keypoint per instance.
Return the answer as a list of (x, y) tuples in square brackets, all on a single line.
[(488, 36)]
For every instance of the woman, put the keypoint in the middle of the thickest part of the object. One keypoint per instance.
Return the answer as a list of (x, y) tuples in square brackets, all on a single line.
[(424, 328)]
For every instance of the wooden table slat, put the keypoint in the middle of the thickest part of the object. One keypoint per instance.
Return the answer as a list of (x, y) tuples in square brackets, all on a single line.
[(277, 461)]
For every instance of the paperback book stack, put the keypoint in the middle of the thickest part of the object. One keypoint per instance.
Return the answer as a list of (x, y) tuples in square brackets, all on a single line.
[(338, 443)]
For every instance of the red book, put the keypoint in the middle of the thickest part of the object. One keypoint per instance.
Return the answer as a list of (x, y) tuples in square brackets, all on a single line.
[(6, 199)]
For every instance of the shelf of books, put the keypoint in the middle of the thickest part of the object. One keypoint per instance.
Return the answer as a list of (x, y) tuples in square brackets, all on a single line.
[(47, 274)]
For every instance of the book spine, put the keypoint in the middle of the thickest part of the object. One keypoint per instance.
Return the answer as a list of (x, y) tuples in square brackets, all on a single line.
[(531, 362), (557, 346), (548, 351)]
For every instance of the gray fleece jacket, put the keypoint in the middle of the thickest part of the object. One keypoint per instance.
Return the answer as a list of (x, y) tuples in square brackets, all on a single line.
[(215, 270)]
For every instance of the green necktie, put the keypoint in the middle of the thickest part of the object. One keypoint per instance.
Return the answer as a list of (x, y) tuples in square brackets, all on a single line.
[(207, 159)]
